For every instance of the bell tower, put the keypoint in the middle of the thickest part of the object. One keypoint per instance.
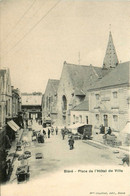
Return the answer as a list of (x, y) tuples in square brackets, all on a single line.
[(110, 59)]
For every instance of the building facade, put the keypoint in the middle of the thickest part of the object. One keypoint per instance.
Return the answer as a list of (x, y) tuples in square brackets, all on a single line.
[(80, 113), (109, 99), (16, 106), (5, 116), (5, 96), (31, 107), (49, 102), (72, 89)]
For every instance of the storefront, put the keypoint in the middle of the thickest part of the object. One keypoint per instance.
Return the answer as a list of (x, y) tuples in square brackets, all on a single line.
[(11, 130)]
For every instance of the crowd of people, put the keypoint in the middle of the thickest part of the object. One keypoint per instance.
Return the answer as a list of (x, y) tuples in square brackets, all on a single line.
[(50, 131), (40, 135), (43, 133), (102, 130)]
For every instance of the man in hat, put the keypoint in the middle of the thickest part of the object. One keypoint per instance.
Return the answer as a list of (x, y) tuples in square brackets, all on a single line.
[(71, 142)]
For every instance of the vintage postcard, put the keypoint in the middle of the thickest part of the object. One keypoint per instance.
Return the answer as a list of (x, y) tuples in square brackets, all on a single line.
[(64, 98)]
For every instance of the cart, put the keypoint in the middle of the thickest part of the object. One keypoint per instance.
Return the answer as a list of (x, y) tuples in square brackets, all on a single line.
[(86, 131), (22, 174), (80, 131), (111, 140)]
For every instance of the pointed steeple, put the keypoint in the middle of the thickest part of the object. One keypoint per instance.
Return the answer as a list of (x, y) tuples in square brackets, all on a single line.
[(110, 59)]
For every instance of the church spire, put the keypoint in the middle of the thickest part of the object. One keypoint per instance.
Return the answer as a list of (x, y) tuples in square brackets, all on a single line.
[(110, 59)]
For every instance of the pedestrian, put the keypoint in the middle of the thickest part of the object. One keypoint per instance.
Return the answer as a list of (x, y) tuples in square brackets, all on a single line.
[(42, 138), (56, 130), (44, 133), (63, 133), (65, 130), (52, 130), (49, 133), (109, 131), (102, 129), (71, 142), (125, 160)]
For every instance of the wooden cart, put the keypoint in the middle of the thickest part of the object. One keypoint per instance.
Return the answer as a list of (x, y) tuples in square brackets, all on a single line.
[(86, 131), (22, 173)]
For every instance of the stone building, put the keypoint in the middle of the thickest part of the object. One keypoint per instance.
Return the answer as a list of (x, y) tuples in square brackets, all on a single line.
[(10, 110), (5, 96), (5, 116), (109, 99), (16, 106), (49, 102), (75, 80), (72, 89), (80, 113), (5, 100), (31, 106)]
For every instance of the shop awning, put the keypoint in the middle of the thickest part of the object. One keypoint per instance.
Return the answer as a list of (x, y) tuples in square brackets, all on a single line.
[(75, 126), (13, 125)]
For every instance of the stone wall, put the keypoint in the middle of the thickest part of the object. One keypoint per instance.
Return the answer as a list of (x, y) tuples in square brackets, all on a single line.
[(49, 103), (80, 117), (113, 104)]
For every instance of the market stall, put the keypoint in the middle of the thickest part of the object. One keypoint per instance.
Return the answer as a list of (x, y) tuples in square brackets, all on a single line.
[(81, 131)]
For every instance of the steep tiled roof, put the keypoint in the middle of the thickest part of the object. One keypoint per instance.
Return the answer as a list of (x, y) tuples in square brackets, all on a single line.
[(110, 59), (54, 83), (83, 76), (118, 76), (84, 106)]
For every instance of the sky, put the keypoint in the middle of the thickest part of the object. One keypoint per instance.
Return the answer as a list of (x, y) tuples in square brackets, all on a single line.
[(37, 36)]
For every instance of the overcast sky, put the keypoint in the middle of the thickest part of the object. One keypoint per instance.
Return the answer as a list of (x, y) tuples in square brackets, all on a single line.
[(37, 36)]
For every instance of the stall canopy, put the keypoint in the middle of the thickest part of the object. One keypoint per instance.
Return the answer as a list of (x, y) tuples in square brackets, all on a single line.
[(75, 126), (13, 125)]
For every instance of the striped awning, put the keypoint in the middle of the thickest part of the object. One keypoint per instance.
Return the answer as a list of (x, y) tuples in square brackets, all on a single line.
[(13, 125)]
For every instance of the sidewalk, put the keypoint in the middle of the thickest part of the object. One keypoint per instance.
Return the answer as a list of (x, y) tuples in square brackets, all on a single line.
[(16, 162), (98, 142), (12, 150)]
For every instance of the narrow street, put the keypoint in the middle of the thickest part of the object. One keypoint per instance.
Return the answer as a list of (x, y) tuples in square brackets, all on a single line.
[(56, 155)]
